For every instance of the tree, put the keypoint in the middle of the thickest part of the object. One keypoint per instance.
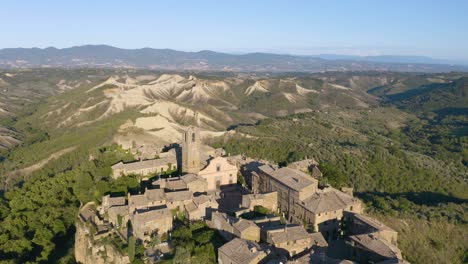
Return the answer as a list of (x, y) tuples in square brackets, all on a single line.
[(333, 175), (182, 255), (131, 248)]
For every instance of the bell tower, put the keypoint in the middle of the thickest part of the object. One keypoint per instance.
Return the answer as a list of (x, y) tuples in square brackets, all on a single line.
[(191, 150)]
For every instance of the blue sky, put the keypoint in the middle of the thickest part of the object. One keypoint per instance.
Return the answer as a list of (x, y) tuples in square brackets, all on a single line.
[(433, 28)]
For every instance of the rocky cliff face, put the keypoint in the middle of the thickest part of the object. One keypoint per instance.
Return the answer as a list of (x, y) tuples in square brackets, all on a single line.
[(87, 251)]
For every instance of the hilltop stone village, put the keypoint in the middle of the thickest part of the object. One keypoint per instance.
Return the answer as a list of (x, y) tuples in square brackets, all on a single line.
[(265, 213)]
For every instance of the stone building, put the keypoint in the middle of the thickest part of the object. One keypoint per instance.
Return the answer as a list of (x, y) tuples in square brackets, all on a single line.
[(108, 202), (302, 202), (151, 198), (246, 229), (200, 207), (267, 223), (239, 251), (307, 165), (146, 223), (191, 182), (267, 200), (230, 227), (151, 211), (325, 209), (219, 172), (367, 248), (144, 167), (195, 183), (118, 215), (291, 185), (290, 239), (178, 200), (190, 145), (359, 224), (223, 223)]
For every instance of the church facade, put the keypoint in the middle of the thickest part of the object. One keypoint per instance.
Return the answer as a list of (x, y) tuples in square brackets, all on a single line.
[(219, 172)]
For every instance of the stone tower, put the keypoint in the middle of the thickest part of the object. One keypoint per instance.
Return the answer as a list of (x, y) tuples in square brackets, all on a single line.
[(191, 150)]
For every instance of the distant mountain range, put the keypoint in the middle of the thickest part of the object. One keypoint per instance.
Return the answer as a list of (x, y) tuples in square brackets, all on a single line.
[(392, 59), (103, 56)]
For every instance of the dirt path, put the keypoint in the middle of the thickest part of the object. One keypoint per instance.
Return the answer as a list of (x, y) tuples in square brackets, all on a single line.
[(43, 162)]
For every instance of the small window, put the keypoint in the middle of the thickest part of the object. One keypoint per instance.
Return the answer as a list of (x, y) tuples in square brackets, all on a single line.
[(193, 137), (218, 167)]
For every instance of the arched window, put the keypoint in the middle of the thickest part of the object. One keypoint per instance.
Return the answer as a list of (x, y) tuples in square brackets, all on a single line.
[(218, 167), (193, 137)]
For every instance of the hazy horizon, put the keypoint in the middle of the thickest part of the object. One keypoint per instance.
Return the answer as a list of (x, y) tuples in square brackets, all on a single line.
[(320, 52)]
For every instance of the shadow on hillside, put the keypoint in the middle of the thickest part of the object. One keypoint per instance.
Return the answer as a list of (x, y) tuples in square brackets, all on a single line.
[(233, 127), (451, 111), (64, 246), (419, 198)]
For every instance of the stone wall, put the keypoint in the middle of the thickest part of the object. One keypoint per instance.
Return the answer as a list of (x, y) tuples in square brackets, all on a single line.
[(89, 252)]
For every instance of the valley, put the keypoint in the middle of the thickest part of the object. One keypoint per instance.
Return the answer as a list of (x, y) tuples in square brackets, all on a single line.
[(388, 135)]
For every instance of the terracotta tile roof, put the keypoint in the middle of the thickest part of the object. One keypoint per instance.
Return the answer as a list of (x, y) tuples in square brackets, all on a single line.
[(137, 200), (176, 184), (318, 239), (294, 179), (191, 207), (145, 164), (179, 196), (118, 210), (189, 178), (373, 244), (142, 217), (328, 200), (289, 233), (243, 225), (242, 251), (202, 199), (374, 223), (116, 201), (154, 194)]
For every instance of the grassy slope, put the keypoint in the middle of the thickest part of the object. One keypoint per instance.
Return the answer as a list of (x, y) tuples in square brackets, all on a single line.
[(423, 241)]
